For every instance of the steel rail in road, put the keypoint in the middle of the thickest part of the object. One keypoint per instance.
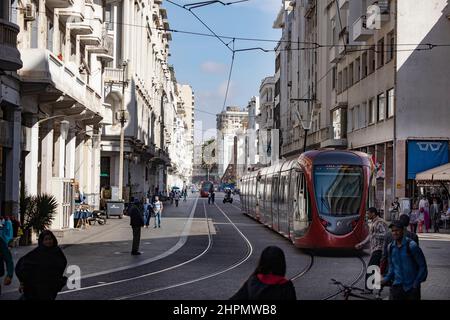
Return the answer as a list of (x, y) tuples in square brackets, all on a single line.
[(172, 250), (361, 274), (207, 276)]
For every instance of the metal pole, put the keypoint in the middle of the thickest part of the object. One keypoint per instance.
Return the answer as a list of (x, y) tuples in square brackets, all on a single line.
[(304, 143), (122, 134)]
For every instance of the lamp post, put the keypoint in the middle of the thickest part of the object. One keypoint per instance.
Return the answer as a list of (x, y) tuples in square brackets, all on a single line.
[(64, 128), (122, 119)]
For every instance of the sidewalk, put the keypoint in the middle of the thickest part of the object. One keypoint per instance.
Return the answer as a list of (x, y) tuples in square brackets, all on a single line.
[(105, 249)]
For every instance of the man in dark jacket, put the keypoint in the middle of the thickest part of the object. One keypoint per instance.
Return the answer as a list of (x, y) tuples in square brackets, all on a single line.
[(136, 223)]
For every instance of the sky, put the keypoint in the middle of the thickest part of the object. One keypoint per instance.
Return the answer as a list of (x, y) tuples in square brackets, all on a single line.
[(204, 62)]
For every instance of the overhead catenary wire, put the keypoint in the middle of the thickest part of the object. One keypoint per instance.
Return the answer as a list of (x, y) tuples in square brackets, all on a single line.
[(314, 46)]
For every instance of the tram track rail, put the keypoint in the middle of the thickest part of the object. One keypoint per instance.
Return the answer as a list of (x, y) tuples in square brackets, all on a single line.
[(354, 282), (151, 273), (247, 255)]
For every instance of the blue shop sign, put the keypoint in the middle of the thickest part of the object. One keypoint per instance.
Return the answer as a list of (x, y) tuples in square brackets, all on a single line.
[(426, 155)]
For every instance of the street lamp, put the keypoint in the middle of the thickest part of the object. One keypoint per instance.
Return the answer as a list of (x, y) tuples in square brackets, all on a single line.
[(64, 129), (122, 131)]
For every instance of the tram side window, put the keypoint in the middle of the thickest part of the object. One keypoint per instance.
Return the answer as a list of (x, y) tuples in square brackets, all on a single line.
[(275, 193), (303, 198), (281, 189), (269, 189)]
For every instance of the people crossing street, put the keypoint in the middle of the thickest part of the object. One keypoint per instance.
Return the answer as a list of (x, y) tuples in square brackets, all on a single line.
[(376, 238), (157, 209), (136, 222)]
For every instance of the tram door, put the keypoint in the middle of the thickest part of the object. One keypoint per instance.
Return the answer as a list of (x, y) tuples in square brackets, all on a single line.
[(275, 202), (302, 208), (284, 203)]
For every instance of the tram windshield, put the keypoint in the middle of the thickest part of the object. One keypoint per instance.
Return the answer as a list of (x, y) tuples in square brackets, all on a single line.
[(338, 189)]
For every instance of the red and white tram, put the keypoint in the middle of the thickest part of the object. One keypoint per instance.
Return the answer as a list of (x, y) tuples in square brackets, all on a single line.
[(318, 201)]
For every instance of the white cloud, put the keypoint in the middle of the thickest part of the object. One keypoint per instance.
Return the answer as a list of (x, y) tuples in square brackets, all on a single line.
[(213, 67), (213, 99)]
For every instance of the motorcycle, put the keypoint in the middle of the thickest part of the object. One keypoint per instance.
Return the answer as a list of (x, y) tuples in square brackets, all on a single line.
[(228, 198), (97, 216)]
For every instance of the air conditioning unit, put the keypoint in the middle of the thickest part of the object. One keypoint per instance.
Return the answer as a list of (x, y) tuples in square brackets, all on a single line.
[(30, 12)]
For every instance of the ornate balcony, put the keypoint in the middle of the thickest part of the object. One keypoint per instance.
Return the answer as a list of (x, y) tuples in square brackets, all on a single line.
[(9, 54)]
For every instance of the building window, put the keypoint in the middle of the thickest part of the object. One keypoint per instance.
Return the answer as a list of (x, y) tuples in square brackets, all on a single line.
[(350, 127), (372, 60), (356, 118), (339, 123), (391, 103), (345, 80), (357, 67), (380, 53), (390, 46), (372, 111), (381, 107), (362, 115), (350, 75), (333, 82), (339, 84), (364, 65)]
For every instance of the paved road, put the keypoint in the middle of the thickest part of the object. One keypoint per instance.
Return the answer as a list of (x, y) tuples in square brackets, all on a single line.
[(206, 252)]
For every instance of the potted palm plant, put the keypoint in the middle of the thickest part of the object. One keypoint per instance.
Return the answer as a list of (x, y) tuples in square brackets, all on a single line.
[(37, 213)]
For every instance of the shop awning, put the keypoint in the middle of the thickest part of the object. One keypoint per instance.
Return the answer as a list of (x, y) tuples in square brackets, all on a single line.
[(441, 173)]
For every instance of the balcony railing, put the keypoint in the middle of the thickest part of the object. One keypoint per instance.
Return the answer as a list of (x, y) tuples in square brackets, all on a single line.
[(360, 31), (113, 75), (9, 54)]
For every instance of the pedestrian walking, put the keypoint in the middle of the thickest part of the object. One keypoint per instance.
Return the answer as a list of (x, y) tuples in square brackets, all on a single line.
[(136, 223), (395, 209), (435, 213), (185, 194), (157, 209), (268, 281), (5, 259), (147, 212), (41, 271), (407, 266), (177, 198), (377, 238), (211, 195), (6, 231), (414, 219)]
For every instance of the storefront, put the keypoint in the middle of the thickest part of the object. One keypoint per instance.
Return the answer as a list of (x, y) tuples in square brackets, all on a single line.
[(435, 183), (427, 166)]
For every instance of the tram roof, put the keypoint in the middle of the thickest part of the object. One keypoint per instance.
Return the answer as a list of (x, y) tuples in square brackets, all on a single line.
[(336, 157)]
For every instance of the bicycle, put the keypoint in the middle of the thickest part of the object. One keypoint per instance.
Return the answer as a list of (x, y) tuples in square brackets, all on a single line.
[(348, 291)]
